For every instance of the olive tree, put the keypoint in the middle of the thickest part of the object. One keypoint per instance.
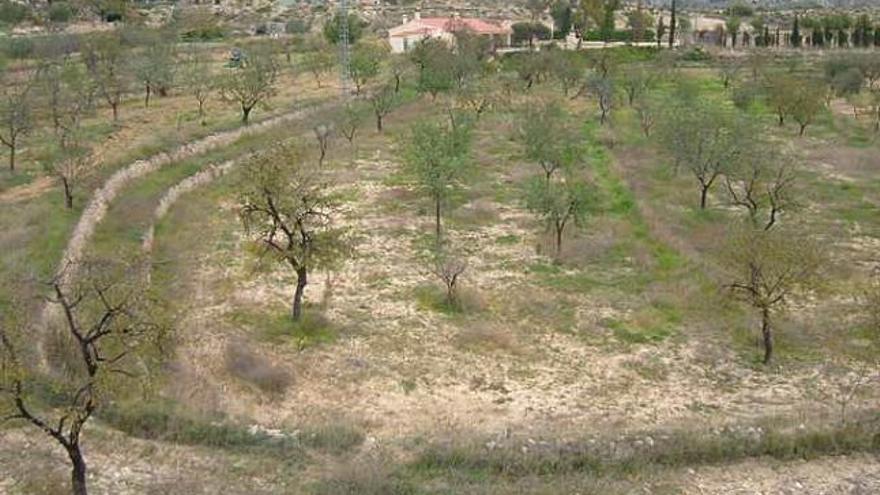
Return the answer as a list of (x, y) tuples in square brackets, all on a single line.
[(111, 335), (288, 213), (199, 79), (252, 83), (636, 80), (109, 65), (349, 122), (547, 137), (602, 88), (766, 267), (436, 64), (66, 92), (560, 202), (437, 156), (16, 116), (366, 60), (382, 101), (318, 59), (154, 67), (805, 103), (705, 139)]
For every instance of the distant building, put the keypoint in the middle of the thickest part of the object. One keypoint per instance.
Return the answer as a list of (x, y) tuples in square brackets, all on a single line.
[(402, 38)]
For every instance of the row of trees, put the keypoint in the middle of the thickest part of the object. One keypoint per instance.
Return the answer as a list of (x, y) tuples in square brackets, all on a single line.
[(595, 19), (59, 94), (838, 31)]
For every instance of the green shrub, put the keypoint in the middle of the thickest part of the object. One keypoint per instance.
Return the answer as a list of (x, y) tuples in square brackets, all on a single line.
[(334, 438), (164, 421), (60, 12), (296, 26), (525, 31), (12, 13), (18, 48)]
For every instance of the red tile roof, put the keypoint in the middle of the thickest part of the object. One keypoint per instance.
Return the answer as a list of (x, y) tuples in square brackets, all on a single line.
[(427, 25)]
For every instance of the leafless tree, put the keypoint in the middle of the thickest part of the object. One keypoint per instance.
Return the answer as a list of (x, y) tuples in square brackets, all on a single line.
[(324, 133), (449, 267), (110, 336), (16, 115), (762, 184)]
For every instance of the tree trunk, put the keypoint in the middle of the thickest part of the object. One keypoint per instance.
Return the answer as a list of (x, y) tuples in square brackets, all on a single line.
[(767, 334), (396, 84), (147, 96), (437, 226), (803, 128), (559, 242), (12, 157), (68, 193), (781, 120), (202, 112), (245, 114), (379, 122), (115, 107), (301, 282), (704, 196), (78, 471)]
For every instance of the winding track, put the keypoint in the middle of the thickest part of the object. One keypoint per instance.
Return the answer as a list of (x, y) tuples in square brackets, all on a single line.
[(95, 211)]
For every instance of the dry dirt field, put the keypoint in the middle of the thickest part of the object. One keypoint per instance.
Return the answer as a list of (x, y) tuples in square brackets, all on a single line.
[(624, 368)]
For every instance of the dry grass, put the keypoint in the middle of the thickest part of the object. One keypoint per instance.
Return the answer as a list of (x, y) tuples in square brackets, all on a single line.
[(245, 363)]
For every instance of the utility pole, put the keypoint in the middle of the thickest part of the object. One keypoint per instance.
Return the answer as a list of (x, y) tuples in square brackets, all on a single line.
[(344, 48)]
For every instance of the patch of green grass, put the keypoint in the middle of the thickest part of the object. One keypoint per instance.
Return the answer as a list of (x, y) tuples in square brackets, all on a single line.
[(507, 240), (165, 421), (333, 437), (475, 463), (430, 297), (277, 326), (648, 325)]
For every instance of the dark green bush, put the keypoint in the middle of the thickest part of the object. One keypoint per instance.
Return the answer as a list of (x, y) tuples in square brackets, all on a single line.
[(525, 31), (12, 13), (60, 12), (18, 48)]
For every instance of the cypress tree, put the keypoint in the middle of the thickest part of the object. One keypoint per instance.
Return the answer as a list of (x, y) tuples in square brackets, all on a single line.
[(796, 33)]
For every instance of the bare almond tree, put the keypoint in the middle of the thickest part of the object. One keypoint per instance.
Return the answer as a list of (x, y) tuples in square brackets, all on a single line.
[(324, 133), (75, 163), (110, 335), (762, 184), (16, 116), (449, 267)]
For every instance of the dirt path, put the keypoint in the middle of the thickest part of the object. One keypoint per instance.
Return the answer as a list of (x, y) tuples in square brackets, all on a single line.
[(27, 191)]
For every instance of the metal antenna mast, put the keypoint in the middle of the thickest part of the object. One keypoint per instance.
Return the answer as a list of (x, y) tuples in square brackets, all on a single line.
[(344, 48)]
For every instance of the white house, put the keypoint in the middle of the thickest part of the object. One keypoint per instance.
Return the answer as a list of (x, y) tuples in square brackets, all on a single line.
[(402, 38)]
